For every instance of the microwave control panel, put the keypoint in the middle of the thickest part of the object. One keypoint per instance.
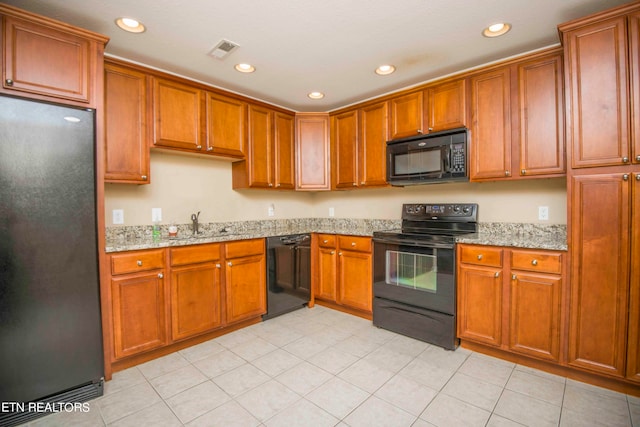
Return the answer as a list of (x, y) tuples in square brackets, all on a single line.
[(458, 158)]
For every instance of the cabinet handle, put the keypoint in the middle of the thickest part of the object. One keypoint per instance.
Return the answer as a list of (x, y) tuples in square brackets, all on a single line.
[(534, 262), (139, 263), (9, 82), (507, 173), (625, 159), (355, 184), (353, 244), (419, 131), (514, 277), (230, 264), (625, 177), (270, 184), (332, 252), (523, 172), (198, 147), (218, 266), (144, 177), (497, 274), (339, 253), (160, 276), (479, 257), (637, 158), (362, 183), (279, 185), (325, 241), (638, 177), (430, 129), (209, 148)]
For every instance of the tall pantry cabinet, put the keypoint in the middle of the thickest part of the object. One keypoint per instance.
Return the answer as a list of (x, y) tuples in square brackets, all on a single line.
[(602, 83)]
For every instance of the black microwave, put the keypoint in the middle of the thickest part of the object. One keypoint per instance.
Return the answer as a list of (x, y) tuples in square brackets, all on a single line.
[(425, 159)]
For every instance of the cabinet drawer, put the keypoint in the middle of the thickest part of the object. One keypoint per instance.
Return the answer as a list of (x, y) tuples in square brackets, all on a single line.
[(481, 255), (327, 240), (547, 262), (195, 254), (353, 243), (137, 261), (243, 248)]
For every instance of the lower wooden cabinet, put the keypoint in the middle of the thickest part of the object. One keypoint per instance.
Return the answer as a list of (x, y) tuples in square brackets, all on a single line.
[(343, 271), (196, 290), (511, 299), (163, 296), (138, 302)]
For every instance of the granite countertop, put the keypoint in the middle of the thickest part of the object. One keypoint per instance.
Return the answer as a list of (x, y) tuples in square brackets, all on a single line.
[(534, 236)]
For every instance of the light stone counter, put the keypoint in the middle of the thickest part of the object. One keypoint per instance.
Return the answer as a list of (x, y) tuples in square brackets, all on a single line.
[(532, 236)]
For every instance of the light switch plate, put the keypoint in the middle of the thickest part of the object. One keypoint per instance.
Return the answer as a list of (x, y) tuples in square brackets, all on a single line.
[(118, 216), (543, 213), (271, 210), (332, 212), (156, 214)]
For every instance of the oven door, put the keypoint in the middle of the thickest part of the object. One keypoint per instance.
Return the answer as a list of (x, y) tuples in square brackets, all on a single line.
[(415, 274)]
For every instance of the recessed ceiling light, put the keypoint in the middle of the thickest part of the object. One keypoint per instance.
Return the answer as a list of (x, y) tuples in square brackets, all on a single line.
[(245, 68), (496, 30), (384, 70), (316, 95), (130, 25)]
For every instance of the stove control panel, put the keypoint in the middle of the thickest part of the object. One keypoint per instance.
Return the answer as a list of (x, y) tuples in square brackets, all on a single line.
[(440, 211)]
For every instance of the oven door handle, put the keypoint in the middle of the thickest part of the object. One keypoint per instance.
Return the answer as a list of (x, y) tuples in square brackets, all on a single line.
[(412, 243), (421, 313)]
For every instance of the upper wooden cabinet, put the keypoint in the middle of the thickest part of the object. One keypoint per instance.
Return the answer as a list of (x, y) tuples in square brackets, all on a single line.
[(406, 118), (126, 131), (597, 70), (270, 159), (49, 60), (517, 126), (344, 149), (445, 106), (177, 115), (312, 152), (225, 127)]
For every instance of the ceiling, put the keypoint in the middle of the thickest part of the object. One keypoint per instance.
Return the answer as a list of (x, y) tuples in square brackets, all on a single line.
[(331, 46)]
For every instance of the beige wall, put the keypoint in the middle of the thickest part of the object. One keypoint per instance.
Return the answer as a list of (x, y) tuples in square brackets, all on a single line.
[(184, 184)]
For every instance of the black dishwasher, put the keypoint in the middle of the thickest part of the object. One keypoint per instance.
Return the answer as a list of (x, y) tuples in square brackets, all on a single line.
[(288, 273)]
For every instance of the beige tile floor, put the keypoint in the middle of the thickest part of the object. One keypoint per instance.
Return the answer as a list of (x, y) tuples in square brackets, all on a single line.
[(318, 367)]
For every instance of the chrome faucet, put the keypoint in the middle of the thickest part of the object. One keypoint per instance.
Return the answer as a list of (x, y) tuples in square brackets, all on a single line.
[(194, 219)]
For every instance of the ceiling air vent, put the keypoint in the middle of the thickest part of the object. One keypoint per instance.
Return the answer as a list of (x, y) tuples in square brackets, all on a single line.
[(222, 49)]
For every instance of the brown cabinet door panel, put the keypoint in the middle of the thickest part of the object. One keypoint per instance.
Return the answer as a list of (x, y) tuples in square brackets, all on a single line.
[(344, 149), (634, 58), (406, 115), (633, 352), (312, 152), (284, 151), (260, 147), (490, 139), (534, 321), (596, 66), (177, 115), (327, 274), (355, 280), (373, 137), (195, 300), (480, 304), (226, 125), (541, 110), (139, 315), (126, 131), (246, 288), (599, 272), (446, 106)]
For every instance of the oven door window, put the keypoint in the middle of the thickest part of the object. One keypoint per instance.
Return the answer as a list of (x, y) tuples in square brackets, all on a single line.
[(412, 270), (418, 162)]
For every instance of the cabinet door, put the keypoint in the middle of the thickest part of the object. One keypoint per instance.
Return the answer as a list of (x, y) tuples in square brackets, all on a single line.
[(344, 149), (127, 142), (355, 280), (534, 318), (596, 66), (226, 131), (246, 287), (327, 274), (634, 58), (312, 152), (633, 352), (284, 151), (490, 144), (260, 147), (139, 313), (373, 137), (541, 116), (406, 115), (480, 304), (599, 272), (177, 114), (196, 300), (446, 106), (47, 61)]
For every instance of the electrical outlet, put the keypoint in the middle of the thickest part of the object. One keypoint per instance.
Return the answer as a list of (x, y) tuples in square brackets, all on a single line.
[(332, 212), (118, 216), (156, 214), (271, 211), (543, 213)]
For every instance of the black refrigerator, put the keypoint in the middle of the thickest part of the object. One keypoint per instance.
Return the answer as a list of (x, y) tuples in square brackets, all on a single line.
[(50, 323)]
